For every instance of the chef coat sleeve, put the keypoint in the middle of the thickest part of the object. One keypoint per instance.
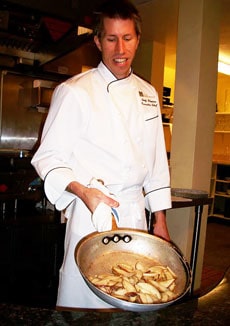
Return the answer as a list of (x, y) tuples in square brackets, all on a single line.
[(51, 161), (55, 184), (158, 200), (157, 184)]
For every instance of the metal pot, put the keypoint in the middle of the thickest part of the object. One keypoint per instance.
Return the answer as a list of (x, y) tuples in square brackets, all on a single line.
[(96, 254)]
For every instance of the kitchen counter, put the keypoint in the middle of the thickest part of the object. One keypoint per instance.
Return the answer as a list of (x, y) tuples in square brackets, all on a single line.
[(210, 309)]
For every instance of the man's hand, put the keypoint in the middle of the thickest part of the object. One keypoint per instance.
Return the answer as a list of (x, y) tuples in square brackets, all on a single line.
[(160, 228), (90, 196)]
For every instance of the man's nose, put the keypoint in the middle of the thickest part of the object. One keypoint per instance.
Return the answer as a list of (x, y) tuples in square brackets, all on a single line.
[(120, 46)]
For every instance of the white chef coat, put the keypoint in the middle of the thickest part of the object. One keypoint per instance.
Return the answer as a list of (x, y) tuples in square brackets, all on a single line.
[(108, 129)]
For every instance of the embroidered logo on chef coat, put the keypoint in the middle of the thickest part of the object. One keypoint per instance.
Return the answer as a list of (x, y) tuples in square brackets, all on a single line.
[(149, 103), (147, 100)]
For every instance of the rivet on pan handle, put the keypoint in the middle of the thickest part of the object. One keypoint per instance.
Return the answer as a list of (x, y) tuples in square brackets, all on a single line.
[(116, 238)]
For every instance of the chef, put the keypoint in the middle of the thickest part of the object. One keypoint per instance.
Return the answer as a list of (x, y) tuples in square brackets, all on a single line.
[(102, 149)]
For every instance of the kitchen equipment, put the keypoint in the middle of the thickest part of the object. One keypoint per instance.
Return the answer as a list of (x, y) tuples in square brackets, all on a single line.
[(20, 188), (96, 253)]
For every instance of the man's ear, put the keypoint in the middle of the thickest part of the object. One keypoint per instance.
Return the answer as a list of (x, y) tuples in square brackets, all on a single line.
[(138, 41), (97, 42)]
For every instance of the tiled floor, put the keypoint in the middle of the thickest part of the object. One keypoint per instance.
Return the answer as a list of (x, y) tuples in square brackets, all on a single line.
[(216, 255)]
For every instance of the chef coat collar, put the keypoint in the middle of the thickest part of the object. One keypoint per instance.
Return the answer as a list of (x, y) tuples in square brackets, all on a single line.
[(109, 76)]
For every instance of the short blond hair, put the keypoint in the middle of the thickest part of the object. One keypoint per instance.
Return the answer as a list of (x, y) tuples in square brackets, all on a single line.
[(122, 9)]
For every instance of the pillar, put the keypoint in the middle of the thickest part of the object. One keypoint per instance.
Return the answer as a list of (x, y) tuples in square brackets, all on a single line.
[(149, 63), (194, 114)]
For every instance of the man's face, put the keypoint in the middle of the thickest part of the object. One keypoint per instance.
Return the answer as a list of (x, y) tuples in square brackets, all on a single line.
[(118, 44)]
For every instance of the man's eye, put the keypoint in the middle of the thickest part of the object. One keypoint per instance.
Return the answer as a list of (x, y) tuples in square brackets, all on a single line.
[(111, 39)]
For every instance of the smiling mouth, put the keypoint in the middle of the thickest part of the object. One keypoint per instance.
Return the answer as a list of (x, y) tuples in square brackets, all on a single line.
[(120, 60)]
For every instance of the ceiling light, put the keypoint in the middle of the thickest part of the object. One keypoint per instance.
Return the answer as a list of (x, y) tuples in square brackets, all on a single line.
[(83, 30), (224, 68)]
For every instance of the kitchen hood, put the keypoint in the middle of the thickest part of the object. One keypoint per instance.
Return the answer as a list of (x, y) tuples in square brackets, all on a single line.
[(34, 33)]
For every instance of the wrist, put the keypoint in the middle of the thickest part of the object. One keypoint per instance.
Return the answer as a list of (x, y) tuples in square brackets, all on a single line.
[(76, 188), (160, 216)]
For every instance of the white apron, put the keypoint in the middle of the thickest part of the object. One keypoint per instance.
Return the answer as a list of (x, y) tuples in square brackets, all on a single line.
[(73, 291)]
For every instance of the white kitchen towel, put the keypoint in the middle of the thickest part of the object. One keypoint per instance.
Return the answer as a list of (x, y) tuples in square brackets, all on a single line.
[(103, 214)]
